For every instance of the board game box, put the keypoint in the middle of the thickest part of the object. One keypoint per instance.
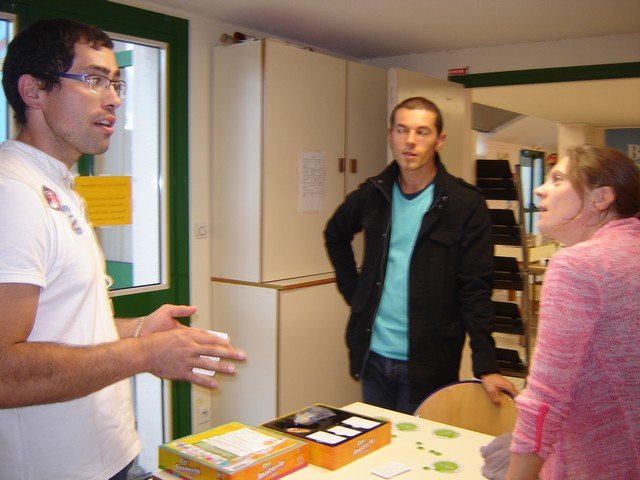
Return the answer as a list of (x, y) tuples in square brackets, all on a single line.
[(335, 437), (234, 451)]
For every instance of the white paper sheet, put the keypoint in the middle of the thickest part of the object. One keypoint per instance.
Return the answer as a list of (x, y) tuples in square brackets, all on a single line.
[(311, 181)]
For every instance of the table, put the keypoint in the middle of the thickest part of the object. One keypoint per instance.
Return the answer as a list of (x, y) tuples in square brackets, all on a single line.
[(416, 449), (404, 448)]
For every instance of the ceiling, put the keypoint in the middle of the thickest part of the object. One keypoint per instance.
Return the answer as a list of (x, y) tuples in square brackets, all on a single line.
[(599, 103), (366, 29), (613, 103)]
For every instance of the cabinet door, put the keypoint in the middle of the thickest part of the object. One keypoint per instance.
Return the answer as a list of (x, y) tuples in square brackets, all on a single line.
[(366, 144), (237, 150), (366, 123), (313, 363), (249, 314), (304, 104)]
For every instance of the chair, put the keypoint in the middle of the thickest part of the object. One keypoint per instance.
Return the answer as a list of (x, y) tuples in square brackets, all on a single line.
[(466, 405)]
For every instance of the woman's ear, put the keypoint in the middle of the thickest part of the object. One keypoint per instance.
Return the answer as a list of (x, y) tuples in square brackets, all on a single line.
[(602, 198)]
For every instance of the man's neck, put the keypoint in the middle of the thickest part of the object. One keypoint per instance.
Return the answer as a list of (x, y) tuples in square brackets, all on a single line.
[(417, 180), (28, 136)]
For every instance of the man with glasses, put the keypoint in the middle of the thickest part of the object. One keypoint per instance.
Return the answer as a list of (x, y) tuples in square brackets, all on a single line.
[(65, 400)]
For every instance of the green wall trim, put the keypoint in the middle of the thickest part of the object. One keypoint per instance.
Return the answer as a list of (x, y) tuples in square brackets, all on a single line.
[(122, 19), (86, 165), (548, 75), (13, 7)]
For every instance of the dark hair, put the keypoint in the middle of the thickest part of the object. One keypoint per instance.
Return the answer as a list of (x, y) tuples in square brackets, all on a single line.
[(43, 50), (418, 103), (591, 167)]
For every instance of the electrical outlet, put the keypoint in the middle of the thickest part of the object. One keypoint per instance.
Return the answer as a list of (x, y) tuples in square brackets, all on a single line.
[(203, 415), (201, 230)]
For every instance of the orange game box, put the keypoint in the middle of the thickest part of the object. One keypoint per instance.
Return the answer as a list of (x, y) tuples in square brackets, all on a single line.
[(335, 437), (233, 451)]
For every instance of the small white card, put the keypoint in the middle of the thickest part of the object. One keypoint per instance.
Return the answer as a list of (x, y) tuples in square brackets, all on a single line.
[(340, 430), (359, 422), (204, 371), (390, 469), (325, 437)]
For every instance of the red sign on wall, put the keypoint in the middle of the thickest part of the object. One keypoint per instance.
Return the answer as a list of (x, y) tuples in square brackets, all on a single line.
[(458, 71)]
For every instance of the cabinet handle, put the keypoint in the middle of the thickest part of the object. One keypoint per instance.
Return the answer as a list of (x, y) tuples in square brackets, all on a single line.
[(353, 165), (341, 165)]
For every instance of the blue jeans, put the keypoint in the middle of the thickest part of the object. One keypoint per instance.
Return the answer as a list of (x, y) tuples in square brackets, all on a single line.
[(385, 383)]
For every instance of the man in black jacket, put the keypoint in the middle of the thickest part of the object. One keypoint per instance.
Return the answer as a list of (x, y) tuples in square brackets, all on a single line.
[(426, 274)]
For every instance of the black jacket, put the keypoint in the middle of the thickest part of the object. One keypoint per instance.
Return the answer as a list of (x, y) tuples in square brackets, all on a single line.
[(449, 279)]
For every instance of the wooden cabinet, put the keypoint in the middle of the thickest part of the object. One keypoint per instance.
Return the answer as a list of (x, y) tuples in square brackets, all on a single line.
[(293, 333), (273, 289), (274, 105)]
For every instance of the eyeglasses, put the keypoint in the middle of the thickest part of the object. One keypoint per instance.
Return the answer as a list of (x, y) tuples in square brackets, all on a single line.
[(98, 83)]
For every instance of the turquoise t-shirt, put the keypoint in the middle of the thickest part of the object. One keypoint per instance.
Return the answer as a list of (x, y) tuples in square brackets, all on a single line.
[(391, 324)]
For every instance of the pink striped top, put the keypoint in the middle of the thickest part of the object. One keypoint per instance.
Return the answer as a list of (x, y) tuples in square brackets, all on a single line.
[(581, 408)]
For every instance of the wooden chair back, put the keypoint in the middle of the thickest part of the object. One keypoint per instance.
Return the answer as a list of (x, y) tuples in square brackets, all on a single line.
[(467, 405)]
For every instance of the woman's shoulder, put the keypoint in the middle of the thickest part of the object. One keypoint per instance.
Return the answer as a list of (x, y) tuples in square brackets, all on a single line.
[(615, 243), (580, 252)]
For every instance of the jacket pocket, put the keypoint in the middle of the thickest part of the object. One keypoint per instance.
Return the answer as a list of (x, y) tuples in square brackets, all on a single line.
[(446, 237)]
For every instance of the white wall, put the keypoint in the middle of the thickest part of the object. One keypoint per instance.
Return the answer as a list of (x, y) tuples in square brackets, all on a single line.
[(572, 135), (525, 56)]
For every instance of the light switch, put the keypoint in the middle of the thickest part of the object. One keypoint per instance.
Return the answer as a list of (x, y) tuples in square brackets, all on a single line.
[(202, 231)]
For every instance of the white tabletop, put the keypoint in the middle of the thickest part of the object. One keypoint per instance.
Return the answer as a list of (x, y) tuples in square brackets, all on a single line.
[(416, 449)]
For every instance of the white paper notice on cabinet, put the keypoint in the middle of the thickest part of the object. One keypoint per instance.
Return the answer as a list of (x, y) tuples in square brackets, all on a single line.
[(310, 181)]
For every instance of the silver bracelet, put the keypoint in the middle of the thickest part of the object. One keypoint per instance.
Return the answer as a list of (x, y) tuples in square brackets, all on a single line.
[(136, 332)]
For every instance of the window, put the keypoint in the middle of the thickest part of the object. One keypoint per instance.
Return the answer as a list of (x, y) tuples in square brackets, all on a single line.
[(531, 171), (136, 252), (6, 34)]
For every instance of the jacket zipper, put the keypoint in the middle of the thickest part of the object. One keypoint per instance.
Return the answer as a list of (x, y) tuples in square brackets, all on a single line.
[(379, 283), (385, 249)]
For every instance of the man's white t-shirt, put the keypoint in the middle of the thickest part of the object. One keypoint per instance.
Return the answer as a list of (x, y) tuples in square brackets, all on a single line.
[(46, 241)]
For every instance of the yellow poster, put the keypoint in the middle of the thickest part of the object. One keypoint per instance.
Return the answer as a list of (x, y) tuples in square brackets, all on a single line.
[(108, 199)]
